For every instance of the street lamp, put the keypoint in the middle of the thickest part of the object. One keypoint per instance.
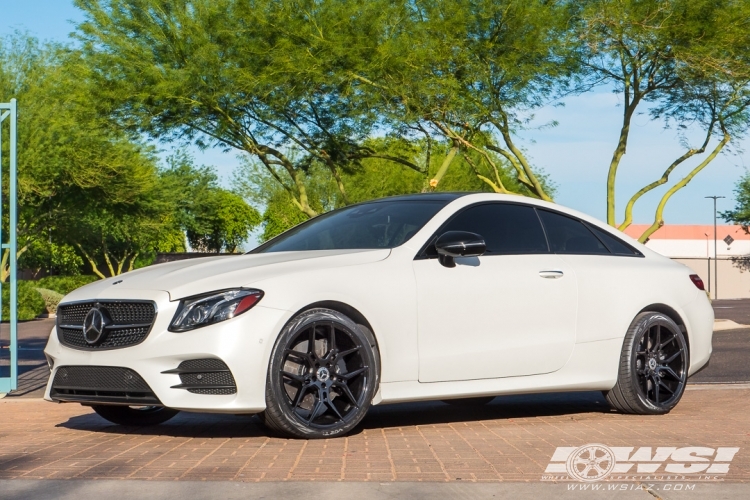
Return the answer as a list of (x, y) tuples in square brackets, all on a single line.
[(716, 255), (708, 262)]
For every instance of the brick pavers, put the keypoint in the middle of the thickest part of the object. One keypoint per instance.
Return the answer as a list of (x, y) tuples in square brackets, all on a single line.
[(511, 439)]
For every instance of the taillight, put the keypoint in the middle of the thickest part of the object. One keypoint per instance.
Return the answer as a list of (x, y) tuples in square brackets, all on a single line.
[(697, 281)]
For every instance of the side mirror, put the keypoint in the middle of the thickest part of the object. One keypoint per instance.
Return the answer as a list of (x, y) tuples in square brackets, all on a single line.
[(458, 244)]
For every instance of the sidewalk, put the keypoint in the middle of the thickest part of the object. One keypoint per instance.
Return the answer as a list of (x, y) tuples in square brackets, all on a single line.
[(511, 439)]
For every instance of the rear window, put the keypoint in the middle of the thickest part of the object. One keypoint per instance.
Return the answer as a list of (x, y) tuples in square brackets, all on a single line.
[(570, 236), (615, 245)]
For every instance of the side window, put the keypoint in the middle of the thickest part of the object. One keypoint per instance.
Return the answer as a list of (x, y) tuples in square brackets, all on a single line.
[(571, 236), (614, 244), (507, 228)]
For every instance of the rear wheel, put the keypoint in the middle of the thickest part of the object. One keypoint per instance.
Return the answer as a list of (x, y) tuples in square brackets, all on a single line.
[(322, 376), (653, 367), (135, 415)]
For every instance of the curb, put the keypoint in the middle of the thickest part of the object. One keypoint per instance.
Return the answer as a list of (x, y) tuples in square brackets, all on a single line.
[(707, 386), (727, 324)]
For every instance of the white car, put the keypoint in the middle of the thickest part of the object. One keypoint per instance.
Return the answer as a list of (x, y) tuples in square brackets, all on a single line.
[(443, 296)]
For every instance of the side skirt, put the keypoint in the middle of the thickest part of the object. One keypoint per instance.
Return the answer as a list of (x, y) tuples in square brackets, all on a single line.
[(592, 367)]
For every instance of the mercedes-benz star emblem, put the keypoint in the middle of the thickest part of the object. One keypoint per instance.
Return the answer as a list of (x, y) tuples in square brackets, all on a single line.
[(93, 326)]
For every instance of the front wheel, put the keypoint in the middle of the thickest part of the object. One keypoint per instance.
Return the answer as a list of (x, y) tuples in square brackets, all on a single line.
[(322, 376), (653, 367), (135, 415)]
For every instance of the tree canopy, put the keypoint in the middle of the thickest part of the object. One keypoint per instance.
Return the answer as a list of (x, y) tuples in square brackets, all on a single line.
[(685, 59), (322, 95), (332, 102), (88, 189)]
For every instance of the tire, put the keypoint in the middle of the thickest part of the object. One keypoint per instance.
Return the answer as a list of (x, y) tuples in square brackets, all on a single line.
[(321, 388), (480, 401), (135, 415), (653, 367)]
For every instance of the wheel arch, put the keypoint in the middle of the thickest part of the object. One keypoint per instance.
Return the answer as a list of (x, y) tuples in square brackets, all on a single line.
[(672, 314), (352, 313), (341, 307)]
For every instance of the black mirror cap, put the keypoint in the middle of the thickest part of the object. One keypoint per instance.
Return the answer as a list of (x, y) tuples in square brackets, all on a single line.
[(458, 244)]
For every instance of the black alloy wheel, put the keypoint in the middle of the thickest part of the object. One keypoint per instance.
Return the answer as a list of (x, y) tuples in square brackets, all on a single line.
[(322, 376), (653, 368), (135, 415)]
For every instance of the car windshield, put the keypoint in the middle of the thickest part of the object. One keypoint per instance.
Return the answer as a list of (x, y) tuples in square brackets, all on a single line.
[(381, 224)]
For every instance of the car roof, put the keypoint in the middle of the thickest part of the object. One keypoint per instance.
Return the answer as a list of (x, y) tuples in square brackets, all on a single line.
[(442, 196)]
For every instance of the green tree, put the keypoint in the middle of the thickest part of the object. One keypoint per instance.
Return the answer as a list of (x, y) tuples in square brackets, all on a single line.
[(741, 212), (52, 257), (333, 85), (686, 59), (376, 178), (228, 73), (70, 155), (465, 74), (214, 219)]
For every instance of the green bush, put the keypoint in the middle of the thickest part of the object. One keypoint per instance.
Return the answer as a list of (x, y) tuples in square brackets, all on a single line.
[(38, 297), (64, 284), (51, 299), (30, 302)]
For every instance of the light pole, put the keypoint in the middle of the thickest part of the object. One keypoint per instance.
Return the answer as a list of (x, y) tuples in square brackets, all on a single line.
[(708, 259), (716, 255)]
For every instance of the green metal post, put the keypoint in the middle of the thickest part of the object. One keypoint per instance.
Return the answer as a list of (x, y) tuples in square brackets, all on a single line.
[(12, 201), (4, 383), (8, 384)]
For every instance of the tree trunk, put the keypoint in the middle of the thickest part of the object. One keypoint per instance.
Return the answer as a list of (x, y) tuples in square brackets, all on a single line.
[(444, 167), (663, 180), (617, 155), (91, 261), (659, 216), (132, 261)]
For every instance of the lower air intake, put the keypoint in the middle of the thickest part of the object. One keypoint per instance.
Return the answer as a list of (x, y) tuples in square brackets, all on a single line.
[(101, 384), (205, 376)]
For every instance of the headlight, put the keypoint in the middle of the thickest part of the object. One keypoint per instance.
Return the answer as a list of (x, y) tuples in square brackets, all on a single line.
[(203, 310)]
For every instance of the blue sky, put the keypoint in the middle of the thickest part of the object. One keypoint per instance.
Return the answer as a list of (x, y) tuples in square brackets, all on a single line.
[(576, 153)]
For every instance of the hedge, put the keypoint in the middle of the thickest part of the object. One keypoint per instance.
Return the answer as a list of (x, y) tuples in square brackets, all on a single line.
[(38, 297), (64, 284), (30, 302)]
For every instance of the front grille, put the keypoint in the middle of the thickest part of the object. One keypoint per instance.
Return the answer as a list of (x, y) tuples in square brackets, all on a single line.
[(205, 376), (101, 384), (131, 322)]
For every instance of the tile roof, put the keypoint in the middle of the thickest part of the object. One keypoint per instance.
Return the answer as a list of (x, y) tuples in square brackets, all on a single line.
[(688, 232)]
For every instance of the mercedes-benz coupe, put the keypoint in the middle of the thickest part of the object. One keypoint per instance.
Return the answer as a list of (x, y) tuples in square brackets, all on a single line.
[(447, 296)]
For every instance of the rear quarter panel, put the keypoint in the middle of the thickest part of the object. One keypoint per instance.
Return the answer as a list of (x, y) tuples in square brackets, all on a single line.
[(613, 290)]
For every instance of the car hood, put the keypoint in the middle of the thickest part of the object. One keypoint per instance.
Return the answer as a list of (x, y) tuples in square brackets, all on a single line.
[(188, 277)]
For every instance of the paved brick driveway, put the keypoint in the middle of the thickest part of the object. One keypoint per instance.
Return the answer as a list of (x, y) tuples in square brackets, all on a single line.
[(511, 439)]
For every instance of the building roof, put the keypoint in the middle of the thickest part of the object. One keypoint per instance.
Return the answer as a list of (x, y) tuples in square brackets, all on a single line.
[(689, 232)]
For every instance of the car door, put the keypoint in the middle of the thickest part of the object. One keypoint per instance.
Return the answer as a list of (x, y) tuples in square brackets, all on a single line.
[(509, 312), (607, 270)]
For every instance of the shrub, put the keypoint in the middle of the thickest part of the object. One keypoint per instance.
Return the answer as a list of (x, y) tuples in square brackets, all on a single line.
[(30, 302), (64, 284), (51, 299), (36, 297)]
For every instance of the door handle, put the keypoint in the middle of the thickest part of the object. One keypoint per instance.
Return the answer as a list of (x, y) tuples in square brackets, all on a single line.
[(551, 275)]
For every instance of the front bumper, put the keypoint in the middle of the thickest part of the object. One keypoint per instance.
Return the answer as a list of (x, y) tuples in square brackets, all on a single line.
[(244, 344)]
